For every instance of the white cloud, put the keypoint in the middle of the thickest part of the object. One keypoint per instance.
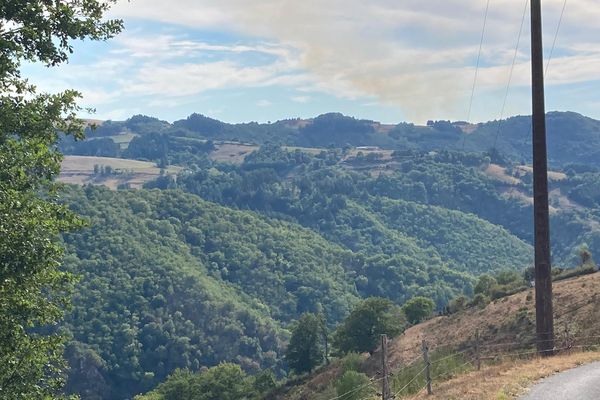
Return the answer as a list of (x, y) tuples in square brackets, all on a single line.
[(415, 54), (193, 78), (264, 103), (301, 99)]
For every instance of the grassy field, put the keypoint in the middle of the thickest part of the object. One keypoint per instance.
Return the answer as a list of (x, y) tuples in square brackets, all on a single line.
[(79, 170), (232, 153), (123, 139)]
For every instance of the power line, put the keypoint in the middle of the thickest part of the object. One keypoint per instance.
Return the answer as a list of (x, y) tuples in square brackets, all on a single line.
[(485, 18), (562, 14), (512, 69), (356, 389), (409, 382), (550, 55)]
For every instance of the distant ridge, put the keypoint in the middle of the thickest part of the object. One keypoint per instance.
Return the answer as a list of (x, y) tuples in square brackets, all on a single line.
[(572, 137)]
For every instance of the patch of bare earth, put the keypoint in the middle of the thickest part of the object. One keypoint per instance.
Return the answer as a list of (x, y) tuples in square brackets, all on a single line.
[(498, 173), (524, 198), (552, 175), (232, 153), (468, 128)]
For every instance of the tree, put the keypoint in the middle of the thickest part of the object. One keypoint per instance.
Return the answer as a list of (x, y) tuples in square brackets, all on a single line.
[(361, 330), (485, 283), (223, 382), (585, 255), (33, 291), (417, 309), (305, 352), (264, 382)]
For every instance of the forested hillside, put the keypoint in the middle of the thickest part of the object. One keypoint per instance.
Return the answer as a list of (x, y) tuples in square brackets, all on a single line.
[(217, 264), (572, 137), (171, 281)]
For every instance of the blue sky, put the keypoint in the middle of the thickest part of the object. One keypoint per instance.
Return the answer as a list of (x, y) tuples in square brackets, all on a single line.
[(386, 60)]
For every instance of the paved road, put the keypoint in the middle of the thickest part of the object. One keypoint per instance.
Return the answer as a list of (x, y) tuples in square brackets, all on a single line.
[(581, 383)]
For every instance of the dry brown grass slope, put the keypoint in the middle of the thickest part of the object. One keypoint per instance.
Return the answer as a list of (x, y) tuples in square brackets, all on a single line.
[(506, 380), (501, 323), (79, 170)]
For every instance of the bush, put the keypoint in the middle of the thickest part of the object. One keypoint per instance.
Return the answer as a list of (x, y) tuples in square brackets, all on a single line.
[(579, 271), (360, 332), (480, 300), (353, 385), (443, 368), (485, 284), (458, 304), (417, 309), (351, 362)]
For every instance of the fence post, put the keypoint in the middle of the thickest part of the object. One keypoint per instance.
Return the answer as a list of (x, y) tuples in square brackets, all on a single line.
[(477, 353), (427, 367), (385, 393), (568, 340)]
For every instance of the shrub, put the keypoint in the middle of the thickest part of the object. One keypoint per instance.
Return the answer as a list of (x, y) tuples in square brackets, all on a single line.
[(351, 362), (353, 385), (417, 309), (361, 330)]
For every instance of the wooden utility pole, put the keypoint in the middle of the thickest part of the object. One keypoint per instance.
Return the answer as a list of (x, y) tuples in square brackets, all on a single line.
[(427, 367), (385, 392), (543, 278)]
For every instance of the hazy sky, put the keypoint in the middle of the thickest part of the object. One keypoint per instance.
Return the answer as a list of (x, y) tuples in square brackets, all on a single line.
[(389, 60)]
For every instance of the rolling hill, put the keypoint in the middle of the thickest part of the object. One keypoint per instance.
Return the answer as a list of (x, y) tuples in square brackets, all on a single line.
[(572, 138), (229, 239)]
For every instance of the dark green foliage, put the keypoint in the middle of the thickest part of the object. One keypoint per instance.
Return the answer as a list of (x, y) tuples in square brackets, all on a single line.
[(34, 294), (378, 216), (423, 227), (171, 281), (500, 284), (223, 382), (335, 129), (166, 149), (417, 309), (305, 350), (351, 362), (264, 381), (353, 385), (101, 147), (361, 331), (197, 125), (485, 283)]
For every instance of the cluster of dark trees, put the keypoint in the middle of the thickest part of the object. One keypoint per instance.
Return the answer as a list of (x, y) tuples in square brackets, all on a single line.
[(308, 348)]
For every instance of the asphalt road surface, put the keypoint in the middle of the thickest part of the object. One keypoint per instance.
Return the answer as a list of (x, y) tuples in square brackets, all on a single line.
[(581, 383)]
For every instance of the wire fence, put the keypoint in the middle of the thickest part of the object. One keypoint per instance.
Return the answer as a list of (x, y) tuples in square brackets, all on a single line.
[(443, 361), (413, 378), (476, 353)]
